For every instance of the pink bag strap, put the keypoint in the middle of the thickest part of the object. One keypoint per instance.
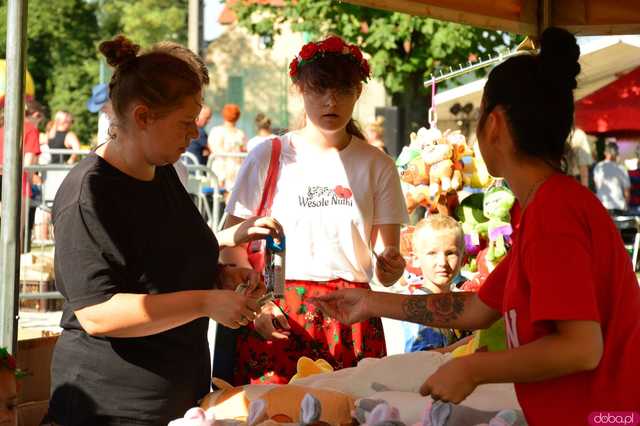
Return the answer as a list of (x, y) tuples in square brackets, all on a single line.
[(269, 190)]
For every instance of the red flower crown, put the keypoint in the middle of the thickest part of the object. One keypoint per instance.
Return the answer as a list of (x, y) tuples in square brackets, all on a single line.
[(312, 51)]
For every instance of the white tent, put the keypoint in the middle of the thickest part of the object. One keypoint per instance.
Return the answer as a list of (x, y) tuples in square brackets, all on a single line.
[(602, 60)]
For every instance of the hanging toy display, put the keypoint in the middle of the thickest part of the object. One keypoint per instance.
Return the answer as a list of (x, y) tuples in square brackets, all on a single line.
[(436, 165)]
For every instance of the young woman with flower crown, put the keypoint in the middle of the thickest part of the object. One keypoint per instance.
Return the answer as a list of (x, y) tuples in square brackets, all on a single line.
[(335, 196)]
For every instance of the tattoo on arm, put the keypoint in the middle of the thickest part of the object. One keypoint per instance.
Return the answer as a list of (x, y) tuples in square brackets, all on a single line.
[(437, 310)]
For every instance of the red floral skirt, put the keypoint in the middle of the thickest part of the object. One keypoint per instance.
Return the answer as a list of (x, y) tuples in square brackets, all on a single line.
[(259, 361)]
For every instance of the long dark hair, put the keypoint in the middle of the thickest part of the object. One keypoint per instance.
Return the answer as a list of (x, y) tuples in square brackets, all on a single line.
[(536, 93), (332, 71)]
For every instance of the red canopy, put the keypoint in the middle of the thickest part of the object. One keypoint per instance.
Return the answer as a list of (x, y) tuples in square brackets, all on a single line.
[(614, 108)]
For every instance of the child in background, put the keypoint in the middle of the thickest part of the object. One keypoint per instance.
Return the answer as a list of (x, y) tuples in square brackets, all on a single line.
[(8, 389), (438, 246)]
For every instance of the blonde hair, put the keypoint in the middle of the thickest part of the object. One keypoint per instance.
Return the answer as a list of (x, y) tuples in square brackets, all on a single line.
[(378, 126), (439, 223)]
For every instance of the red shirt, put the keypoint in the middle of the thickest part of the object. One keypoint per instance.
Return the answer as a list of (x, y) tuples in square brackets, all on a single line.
[(568, 262), (31, 138)]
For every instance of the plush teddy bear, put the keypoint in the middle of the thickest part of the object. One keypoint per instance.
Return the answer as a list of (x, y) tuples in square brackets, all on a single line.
[(431, 169)]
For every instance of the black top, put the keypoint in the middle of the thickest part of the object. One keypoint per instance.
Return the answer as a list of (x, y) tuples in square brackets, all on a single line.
[(57, 142), (116, 234)]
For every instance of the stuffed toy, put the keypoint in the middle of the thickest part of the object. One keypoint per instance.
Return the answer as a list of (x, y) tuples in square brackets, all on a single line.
[(446, 414), (197, 417), (497, 204), (395, 380), (491, 339), (233, 402), (376, 412), (402, 372), (431, 168), (307, 367), (469, 214), (282, 403), (482, 270), (310, 414), (417, 172), (416, 195)]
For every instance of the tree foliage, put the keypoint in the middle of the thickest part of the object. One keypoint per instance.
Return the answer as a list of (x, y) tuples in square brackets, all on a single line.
[(61, 37), (405, 50), (62, 40), (145, 21)]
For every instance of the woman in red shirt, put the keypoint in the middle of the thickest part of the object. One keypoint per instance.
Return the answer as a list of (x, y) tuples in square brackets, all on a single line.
[(567, 289)]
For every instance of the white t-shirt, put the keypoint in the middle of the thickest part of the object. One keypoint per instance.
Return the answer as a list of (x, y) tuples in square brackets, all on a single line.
[(327, 203), (257, 140), (579, 153), (611, 181)]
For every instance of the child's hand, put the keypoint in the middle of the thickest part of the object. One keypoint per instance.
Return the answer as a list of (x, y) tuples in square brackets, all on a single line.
[(390, 265), (256, 228), (452, 382)]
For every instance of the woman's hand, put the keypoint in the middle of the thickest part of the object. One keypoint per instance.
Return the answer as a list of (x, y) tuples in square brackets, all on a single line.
[(254, 228), (232, 276), (390, 265), (452, 382), (348, 306), (230, 308), (271, 323)]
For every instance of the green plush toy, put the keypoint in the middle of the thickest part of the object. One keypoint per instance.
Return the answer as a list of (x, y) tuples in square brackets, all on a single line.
[(497, 205), (469, 214), (492, 339)]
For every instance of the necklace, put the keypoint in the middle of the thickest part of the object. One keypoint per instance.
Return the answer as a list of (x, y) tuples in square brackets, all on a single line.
[(532, 191)]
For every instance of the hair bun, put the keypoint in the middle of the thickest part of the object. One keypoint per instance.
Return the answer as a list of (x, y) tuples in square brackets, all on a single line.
[(559, 54), (119, 50)]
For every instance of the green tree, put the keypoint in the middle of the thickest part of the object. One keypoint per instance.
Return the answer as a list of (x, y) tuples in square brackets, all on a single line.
[(144, 21), (62, 41), (61, 36), (405, 50)]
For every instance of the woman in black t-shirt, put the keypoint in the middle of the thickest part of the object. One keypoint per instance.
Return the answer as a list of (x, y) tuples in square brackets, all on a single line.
[(135, 261)]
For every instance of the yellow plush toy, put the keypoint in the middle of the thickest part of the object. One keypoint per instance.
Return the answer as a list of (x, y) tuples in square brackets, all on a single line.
[(307, 367)]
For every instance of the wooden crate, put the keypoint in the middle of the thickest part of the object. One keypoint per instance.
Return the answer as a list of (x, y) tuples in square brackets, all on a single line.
[(39, 305)]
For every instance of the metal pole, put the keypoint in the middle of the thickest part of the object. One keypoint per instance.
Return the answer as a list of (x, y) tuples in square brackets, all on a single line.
[(193, 26), (12, 172), (544, 18)]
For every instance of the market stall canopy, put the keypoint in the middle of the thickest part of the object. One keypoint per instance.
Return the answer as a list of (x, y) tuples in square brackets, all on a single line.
[(581, 17), (29, 89), (613, 109), (602, 61)]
